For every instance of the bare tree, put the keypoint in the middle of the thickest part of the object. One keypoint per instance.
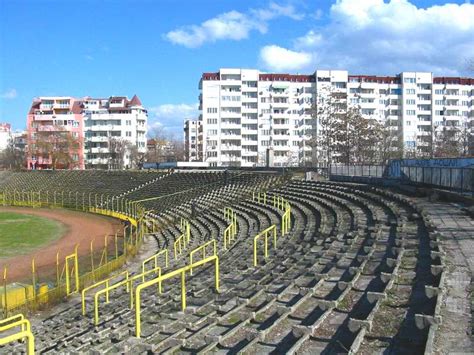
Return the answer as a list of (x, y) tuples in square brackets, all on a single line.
[(12, 158), (117, 149), (325, 113), (164, 147), (447, 143), (59, 146), (136, 158), (390, 144)]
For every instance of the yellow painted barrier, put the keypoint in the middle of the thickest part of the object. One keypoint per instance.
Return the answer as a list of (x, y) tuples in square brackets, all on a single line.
[(179, 272), (264, 233), (203, 249), (179, 245), (231, 230), (114, 214), (154, 258), (74, 271), (286, 219), (105, 282), (18, 320), (129, 284)]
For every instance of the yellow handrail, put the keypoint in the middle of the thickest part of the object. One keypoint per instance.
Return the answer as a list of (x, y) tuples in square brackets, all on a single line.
[(181, 271), (181, 243), (155, 258), (203, 249), (18, 321), (129, 284), (100, 283), (264, 233)]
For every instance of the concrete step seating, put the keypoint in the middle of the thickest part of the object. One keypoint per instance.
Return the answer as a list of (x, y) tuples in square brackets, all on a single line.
[(359, 266)]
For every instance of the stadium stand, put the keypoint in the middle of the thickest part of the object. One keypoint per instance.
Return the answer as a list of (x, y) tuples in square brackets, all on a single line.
[(362, 270)]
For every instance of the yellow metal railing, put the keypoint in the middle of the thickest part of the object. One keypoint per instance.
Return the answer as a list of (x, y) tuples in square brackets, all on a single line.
[(231, 231), (105, 282), (154, 258), (18, 320), (265, 233), (259, 196), (129, 285), (202, 249), (182, 272), (183, 240), (286, 219)]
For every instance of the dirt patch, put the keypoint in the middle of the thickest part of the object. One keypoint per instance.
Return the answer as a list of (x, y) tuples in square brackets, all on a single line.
[(81, 229)]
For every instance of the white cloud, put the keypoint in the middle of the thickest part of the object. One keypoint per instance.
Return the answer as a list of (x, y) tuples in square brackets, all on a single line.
[(375, 36), (9, 94), (309, 40), (171, 116), (232, 25), (281, 59)]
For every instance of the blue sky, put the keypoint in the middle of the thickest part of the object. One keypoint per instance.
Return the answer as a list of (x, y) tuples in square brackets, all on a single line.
[(159, 49)]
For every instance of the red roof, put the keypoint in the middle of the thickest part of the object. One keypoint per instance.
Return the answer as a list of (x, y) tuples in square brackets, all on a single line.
[(453, 80), (135, 101)]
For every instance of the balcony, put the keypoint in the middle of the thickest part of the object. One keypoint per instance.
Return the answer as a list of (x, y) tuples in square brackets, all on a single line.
[(99, 139), (48, 128), (226, 147), (99, 150)]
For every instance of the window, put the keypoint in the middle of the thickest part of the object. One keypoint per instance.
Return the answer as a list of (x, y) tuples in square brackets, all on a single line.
[(212, 110), (409, 80), (410, 91), (395, 91), (263, 99), (408, 123), (210, 121), (265, 132), (411, 112), (128, 134), (410, 102), (439, 102), (265, 111), (212, 132), (265, 143), (439, 91), (128, 122)]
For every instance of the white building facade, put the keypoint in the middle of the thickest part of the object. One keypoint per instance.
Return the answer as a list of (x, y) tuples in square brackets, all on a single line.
[(5, 135), (116, 118), (257, 119), (192, 140)]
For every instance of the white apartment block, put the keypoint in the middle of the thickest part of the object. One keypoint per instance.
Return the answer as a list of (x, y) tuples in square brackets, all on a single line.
[(257, 119), (193, 140), (5, 135), (115, 118)]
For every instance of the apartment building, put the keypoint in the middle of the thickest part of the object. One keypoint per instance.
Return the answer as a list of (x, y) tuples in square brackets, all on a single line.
[(258, 119), (193, 140), (79, 133), (5, 135)]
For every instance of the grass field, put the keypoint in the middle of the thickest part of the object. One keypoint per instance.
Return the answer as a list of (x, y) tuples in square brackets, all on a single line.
[(23, 233)]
